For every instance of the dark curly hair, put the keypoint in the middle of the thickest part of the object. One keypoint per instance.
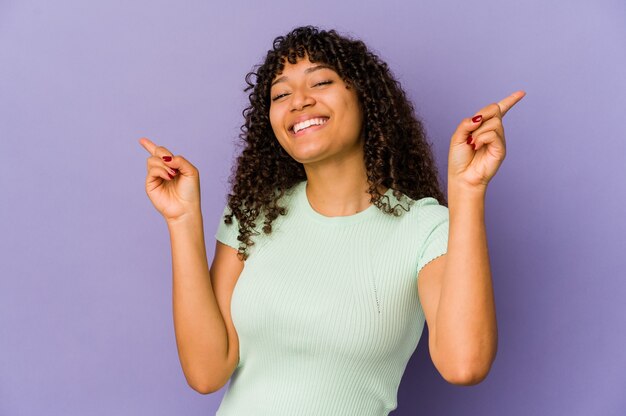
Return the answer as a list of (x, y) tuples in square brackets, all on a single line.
[(396, 153)]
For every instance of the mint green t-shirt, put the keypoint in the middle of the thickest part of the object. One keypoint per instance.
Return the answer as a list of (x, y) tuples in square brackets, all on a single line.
[(327, 309)]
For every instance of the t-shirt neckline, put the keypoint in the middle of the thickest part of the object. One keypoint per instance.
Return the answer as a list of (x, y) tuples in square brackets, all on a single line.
[(303, 202)]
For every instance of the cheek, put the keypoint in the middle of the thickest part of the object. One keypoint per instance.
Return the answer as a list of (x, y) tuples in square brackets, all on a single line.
[(277, 128), (354, 114), (274, 121)]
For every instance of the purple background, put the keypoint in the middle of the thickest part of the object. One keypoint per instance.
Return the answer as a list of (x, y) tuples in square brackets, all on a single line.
[(85, 292)]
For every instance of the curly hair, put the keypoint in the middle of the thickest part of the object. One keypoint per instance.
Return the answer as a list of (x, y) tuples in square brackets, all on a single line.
[(396, 153)]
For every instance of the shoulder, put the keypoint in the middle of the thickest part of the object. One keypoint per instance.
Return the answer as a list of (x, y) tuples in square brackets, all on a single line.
[(425, 211), (414, 220), (285, 200), (430, 210), (228, 233)]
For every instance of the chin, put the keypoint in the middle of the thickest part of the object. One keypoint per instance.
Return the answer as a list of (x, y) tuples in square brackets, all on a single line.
[(306, 159), (307, 155)]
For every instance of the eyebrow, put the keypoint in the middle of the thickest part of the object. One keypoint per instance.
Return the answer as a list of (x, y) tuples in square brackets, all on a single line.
[(306, 71)]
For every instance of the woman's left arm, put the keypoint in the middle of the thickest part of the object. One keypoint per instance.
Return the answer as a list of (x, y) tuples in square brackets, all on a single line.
[(464, 321)]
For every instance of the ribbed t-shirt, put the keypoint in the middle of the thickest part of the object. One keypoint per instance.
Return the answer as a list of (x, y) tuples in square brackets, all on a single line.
[(326, 308)]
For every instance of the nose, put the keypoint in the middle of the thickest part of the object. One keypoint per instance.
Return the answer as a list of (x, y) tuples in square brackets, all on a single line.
[(301, 99)]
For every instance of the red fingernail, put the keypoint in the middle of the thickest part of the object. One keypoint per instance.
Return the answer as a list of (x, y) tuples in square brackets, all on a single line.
[(170, 175), (469, 139), (167, 158), (477, 118)]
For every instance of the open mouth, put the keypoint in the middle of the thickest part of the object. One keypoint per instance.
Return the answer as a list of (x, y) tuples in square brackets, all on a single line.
[(310, 124)]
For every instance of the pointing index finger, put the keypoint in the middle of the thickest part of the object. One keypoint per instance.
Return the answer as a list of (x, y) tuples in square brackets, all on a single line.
[(508, 102), (148, 145)]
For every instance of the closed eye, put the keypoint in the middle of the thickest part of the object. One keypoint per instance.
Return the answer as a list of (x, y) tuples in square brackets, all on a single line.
[(279, 96), (319, 84)]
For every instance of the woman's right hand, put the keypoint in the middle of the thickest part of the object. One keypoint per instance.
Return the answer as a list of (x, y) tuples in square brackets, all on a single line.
[(173, 186)]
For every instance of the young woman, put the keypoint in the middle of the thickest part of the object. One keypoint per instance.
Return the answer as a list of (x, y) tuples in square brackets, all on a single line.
[(337, 238)]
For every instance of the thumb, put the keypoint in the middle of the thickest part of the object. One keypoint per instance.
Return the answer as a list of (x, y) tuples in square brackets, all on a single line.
[(182, 165), (465, 129)]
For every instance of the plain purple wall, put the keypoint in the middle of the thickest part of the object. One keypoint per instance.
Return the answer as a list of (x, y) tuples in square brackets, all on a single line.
[(85, 293)]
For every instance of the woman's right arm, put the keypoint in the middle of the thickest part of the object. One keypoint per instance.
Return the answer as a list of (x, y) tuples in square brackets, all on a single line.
[(201, 335), (202, 323)]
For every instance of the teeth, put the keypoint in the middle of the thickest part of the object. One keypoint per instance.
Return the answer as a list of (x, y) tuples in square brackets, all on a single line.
[(308, 123)]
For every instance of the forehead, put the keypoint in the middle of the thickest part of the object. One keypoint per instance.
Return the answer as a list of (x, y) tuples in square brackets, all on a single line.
[(302, 67)]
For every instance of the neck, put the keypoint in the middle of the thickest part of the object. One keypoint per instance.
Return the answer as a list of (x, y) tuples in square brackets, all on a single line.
[(339, 189)]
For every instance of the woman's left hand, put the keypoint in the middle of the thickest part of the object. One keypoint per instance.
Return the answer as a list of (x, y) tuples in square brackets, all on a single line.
[(477, 148)]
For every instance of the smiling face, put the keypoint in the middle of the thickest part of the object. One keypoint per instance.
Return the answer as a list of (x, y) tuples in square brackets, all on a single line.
[(314, 114)]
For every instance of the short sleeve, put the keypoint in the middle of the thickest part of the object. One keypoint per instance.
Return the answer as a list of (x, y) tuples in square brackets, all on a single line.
[(227, 233), (436, 220)]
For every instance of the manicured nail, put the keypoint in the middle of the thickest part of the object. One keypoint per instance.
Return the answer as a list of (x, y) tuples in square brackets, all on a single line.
[(477, 118), (170, 175), (469, 139), (167, 158)]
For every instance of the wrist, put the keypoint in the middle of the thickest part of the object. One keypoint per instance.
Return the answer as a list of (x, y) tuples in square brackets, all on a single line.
[(458, 187), (192, 218), (465, 197)]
